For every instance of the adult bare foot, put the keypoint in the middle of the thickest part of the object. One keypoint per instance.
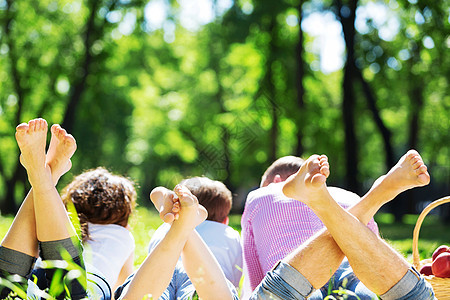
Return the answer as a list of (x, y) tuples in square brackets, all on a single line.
[(191, 212), (31, 138), (62, 147), (309, 181), (408, 173)]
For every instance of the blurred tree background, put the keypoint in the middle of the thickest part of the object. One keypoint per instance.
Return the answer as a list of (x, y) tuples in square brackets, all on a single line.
[(160, 90)]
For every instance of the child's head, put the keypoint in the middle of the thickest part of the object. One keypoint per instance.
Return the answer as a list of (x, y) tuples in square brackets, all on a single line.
[(101, 198), (284, 167), (213, 195)]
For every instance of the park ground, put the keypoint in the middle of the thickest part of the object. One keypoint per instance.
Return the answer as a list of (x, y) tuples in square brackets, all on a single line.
[(432, 233)]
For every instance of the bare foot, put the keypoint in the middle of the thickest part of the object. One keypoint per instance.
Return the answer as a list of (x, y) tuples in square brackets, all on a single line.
[(31, 138), (191, 213), (309, 181), (62, 147), (408, 173), (166, 202)]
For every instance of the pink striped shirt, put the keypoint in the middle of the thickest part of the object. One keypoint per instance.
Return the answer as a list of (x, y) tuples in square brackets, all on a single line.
[(274, 225)]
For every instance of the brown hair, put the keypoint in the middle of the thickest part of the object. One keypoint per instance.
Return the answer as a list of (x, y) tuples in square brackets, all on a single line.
[(101, 198), (284, 166), (213, 195)]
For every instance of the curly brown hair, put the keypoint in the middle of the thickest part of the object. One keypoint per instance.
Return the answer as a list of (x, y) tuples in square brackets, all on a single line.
[(100, 198), (213, 195)]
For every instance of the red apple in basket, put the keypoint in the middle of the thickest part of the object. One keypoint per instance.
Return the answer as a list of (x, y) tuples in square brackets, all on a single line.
[(439, 250), (426, 269), (441, 265)]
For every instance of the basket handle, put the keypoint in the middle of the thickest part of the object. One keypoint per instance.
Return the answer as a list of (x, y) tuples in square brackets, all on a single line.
[(416, 257)]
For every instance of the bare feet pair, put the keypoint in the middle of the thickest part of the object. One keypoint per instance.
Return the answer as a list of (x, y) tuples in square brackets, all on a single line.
[(179, 205), (32, 137), (309, 183)]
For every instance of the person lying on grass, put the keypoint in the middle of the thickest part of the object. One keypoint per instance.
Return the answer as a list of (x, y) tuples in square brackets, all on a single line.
[(203, 276), (104, 203), (375, 265), (42, 225), (223, 241)]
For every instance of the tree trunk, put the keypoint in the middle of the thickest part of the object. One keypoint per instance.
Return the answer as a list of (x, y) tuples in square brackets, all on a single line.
[(273, 138), (9, 206), (348, 104), (397, 206), (417, 102), (299, 83), (79, 85), (385, 132)]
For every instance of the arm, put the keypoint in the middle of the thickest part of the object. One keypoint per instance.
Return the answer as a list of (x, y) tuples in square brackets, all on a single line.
[(126, 271), (203, 269), (155, 273)]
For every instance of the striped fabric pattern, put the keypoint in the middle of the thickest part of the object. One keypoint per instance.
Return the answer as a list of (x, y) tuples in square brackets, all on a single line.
[(274, 225)]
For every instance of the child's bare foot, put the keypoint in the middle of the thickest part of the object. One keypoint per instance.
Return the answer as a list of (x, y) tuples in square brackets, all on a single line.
[(62, 147), (31, 138), (166, 202), (191, 213), (309, 181), (408, 173)]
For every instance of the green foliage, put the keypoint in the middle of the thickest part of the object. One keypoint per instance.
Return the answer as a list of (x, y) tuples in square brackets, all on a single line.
[(161, 104), (433, 233), (17, 290)]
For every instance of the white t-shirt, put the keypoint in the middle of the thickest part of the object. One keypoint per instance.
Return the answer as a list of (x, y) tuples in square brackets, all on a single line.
[(222, 240), (108, 249)]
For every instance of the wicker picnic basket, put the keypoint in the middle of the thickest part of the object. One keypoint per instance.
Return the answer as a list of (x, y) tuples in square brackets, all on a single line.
[(441, 286)]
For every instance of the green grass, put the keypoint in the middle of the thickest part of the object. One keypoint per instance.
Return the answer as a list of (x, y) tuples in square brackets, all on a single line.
[(432, 234)]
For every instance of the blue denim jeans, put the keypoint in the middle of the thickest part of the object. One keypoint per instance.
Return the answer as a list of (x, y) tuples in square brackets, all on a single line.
[(180, 287), (285, 283), (344, 281), (411, 287)]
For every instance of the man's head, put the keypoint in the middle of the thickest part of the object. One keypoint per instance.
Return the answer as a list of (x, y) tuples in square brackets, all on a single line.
[(281, 169), (213, 195)]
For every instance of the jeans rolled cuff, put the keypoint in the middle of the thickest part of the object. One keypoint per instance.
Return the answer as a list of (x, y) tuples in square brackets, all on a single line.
[(294, 278), (403, 286)]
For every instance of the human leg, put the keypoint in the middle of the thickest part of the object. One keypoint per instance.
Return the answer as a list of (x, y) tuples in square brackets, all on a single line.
[(19, 248), (409, 172), (21, 235), (54, 230), (31, 139), (366, 252)]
